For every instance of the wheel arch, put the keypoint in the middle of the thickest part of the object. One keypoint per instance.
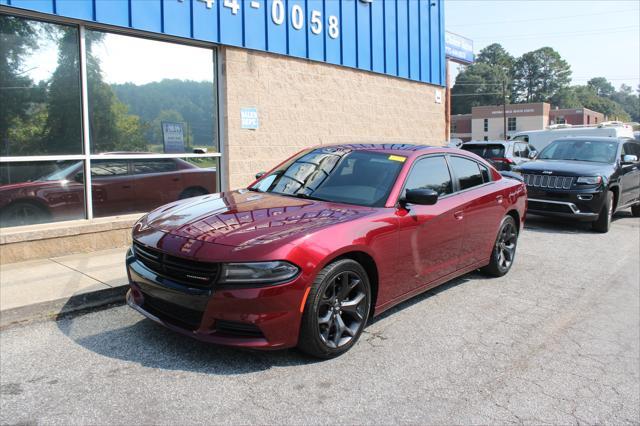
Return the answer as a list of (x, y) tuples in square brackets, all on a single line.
[(516, 216), (616, 195), (370, 267)]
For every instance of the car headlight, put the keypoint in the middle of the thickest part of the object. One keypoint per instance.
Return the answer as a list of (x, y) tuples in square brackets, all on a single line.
[(257, 272), (589, 180)]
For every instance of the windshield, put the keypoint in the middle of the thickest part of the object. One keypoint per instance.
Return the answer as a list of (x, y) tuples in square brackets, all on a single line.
[(486, 151), (63, 170), (339, 175), (581, 150)]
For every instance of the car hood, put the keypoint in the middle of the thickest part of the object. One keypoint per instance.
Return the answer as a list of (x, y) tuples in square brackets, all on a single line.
[(566, 168), (245, 218)]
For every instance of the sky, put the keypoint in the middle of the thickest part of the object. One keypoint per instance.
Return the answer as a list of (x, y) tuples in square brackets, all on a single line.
[(598, 38)]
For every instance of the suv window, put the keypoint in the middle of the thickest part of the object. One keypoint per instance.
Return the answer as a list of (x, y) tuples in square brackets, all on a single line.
[(521, 149), (467, 172), (486, 176), (631, 148), (430, 173), (524, 138), (154, 166)]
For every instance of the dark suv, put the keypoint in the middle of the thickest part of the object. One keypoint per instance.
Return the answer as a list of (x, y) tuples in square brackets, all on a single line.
[(586, 178)]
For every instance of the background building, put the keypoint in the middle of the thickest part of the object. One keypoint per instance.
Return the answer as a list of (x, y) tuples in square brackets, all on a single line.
[(487, 122), (111, 108)]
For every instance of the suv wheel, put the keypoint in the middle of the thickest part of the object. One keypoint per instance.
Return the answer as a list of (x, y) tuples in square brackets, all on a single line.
[(635, 210), (606, 213), (336, 310)]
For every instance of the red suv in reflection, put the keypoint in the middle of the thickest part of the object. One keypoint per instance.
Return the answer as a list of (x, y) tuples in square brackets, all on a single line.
[(118, 186), (313, 249)]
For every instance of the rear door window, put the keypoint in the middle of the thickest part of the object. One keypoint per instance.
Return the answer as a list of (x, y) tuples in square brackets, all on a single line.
[(467, 172)]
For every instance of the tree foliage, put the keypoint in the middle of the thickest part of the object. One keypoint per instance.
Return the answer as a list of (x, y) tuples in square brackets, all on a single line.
[(538, 76)]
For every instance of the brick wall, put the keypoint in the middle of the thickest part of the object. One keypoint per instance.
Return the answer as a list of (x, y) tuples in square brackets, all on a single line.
[(303, 103)]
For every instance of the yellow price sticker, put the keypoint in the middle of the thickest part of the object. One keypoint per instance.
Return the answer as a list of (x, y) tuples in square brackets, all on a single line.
[(397, 158)]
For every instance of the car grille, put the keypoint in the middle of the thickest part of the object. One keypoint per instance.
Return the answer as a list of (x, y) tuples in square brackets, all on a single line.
[(549, 207), (184, 271), (551, 182), (170, 312)]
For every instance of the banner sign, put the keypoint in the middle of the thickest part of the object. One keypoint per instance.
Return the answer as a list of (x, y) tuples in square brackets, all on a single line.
[(173, 137), (458, 48)]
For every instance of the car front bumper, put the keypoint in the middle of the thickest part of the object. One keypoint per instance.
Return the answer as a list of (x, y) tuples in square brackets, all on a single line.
[(582, 205), (258, 317)]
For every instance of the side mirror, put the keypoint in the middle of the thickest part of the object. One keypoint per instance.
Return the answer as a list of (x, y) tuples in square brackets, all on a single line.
[(426, 197), (79, 177), (260, 174), (532, 155), (628, 159)]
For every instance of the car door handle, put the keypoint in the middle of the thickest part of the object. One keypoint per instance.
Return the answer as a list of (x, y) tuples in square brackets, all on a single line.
[(499, 199), (176, 179), (126, 186), (459, 214)]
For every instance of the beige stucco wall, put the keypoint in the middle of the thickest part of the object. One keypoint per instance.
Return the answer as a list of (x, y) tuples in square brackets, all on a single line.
[(303, 103)]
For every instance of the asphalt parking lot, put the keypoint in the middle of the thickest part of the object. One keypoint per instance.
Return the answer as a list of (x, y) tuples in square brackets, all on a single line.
[(555, 341)]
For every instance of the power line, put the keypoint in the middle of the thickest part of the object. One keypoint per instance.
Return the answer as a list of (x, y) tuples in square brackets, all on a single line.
[(548, 18), (575, 33)]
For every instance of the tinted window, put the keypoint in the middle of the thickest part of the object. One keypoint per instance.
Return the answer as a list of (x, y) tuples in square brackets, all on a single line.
[(631, 148), (485, 150), (340, 175), (581, 150), (521, 150), (467, 172), (430, 173), (153, 166), (486, 176)]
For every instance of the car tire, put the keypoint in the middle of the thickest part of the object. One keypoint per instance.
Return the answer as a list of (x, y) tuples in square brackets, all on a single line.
[(504, 249), (192, 192), (603, 223), (23, 213), (334, 315), (635, 210)]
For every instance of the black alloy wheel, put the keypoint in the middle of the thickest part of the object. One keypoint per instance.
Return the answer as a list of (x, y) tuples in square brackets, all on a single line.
[(603, 223), (504, 250), (336, 310)]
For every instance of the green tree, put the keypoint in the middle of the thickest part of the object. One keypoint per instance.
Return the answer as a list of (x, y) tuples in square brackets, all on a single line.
[(539, 75), (18, 38), (63, 125), (601, 86)]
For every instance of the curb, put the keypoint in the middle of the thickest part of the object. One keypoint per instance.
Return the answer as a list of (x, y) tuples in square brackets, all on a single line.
[(59, 308)]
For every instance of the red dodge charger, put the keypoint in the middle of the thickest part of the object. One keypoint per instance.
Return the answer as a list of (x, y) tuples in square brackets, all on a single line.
[(313, 249)]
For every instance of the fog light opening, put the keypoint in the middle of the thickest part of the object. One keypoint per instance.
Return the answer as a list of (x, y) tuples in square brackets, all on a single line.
[(585, 197)]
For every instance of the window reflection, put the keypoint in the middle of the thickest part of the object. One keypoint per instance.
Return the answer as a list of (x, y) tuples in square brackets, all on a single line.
[(39, 88), (46, 191), (141, 185), (149, 96)]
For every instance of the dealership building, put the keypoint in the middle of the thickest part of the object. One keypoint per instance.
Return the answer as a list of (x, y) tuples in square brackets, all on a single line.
[(110, 108), (489, 122)]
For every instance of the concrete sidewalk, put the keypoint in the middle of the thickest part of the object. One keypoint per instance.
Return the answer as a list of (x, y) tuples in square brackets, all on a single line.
[(46, 288)]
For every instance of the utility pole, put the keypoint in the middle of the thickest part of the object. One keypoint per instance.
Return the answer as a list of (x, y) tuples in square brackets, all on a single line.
[(504, 109)]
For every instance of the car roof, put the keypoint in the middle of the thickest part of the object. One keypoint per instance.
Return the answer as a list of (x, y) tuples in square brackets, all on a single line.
[(500, 142), (593, 138), (405, 149)]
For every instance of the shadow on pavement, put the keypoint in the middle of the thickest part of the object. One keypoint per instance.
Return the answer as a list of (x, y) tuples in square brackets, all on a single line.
[(551, 225), (151, 345)]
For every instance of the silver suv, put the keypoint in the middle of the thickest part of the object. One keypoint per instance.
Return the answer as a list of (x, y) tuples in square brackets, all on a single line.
[(504, 155)]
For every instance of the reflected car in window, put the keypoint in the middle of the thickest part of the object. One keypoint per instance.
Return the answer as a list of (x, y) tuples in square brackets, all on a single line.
[(119, 186), (313, 249)]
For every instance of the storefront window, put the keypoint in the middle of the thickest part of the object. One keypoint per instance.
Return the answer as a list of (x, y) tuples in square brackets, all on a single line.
[(149, 102), (149, 96), (40, 104), (41, 191), (140, 185)]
